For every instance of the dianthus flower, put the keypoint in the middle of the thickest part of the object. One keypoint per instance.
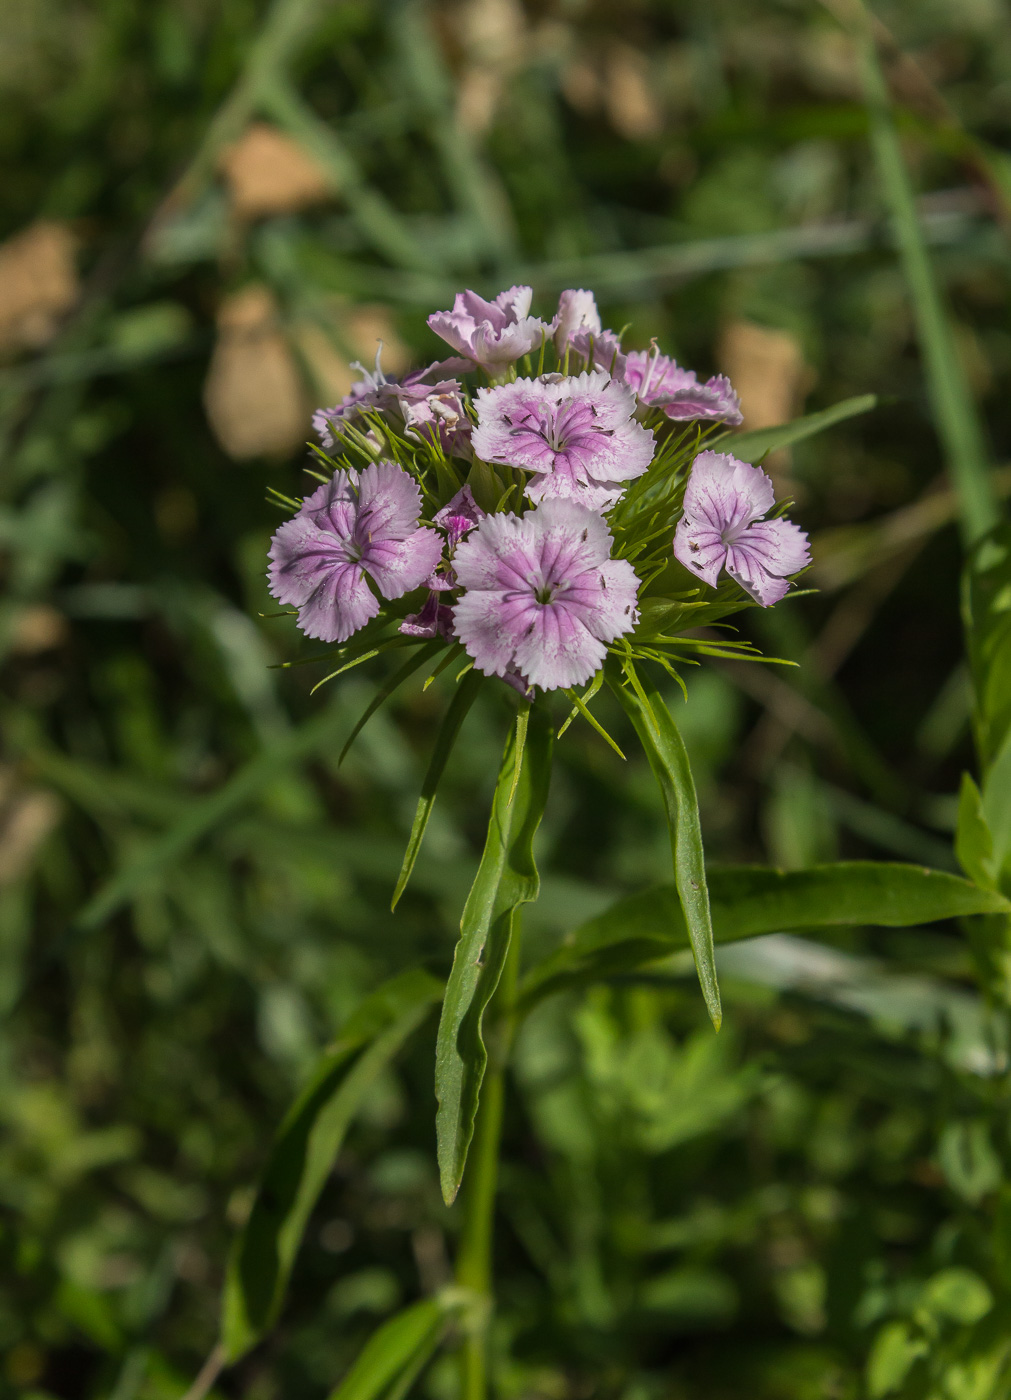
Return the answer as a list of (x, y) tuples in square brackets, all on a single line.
[(722, 528), (435, 414), (577, 311), (457, 518), (543, 595), (600, 350), (424, 409), (576, 433), (354, 525), (491, 334), (659, 381)]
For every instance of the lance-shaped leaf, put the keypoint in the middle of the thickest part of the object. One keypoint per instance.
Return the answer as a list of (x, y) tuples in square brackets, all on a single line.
[(506, 878), (973, 839), (465, 696), (749, 900), (668, 758), (397, 1351), (304, 1151), (751, 446)]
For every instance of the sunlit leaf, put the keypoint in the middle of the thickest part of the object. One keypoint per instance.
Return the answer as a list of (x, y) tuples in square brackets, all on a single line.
[(986, 608), (751, 446), (396, 1349), (750, 900), (973, 841)]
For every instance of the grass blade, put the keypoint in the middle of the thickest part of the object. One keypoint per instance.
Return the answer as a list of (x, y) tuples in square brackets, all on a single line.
[(402, 674), (396, 1351), (954, 409)]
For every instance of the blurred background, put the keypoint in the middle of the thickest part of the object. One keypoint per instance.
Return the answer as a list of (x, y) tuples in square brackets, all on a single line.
[(207, 210)]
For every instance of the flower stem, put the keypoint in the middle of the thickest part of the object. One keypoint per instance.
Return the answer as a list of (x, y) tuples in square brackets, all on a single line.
[(474, 1258)]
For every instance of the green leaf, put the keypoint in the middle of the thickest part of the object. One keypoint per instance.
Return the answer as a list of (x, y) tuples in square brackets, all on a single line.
[(996, 801), (892, 1356), (304, 1151), (986, 611), (406, 1338), (973, 842), (749, 900), (506, 878), (968, 1159), (203, 814), (957, 1295), (668, 758), (749, 447), (456, 714)]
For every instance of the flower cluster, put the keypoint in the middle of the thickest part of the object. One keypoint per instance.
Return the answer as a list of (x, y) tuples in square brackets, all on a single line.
[(528, 519)]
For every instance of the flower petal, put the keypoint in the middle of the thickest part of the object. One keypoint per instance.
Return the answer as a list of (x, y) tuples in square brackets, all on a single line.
[(557, 650), (399, 566), (341, 604), (700, 548), (389, 502), (727, 493)]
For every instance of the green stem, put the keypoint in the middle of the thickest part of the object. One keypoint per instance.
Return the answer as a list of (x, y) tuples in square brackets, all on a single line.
[(474, 1258), (957, 420)]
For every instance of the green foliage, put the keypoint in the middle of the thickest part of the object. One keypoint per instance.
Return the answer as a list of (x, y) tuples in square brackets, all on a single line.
[(304, 1153), (194, 896), (747, 901)]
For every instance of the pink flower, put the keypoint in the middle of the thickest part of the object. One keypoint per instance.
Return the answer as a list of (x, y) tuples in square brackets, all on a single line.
[(423, 408), (353, 526), (576, 434), (543, 595), (458, 517), (434, 620), (577, 311), (658, 380), (722, 528), (435, 413), (599, 350), (492, 334)]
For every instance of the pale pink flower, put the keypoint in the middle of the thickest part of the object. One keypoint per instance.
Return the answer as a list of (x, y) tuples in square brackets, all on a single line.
[(659, 381), (722, 528), (543, 596), (352, 526), (425, 410), (577, 311), (576, 434), (491, 334)]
